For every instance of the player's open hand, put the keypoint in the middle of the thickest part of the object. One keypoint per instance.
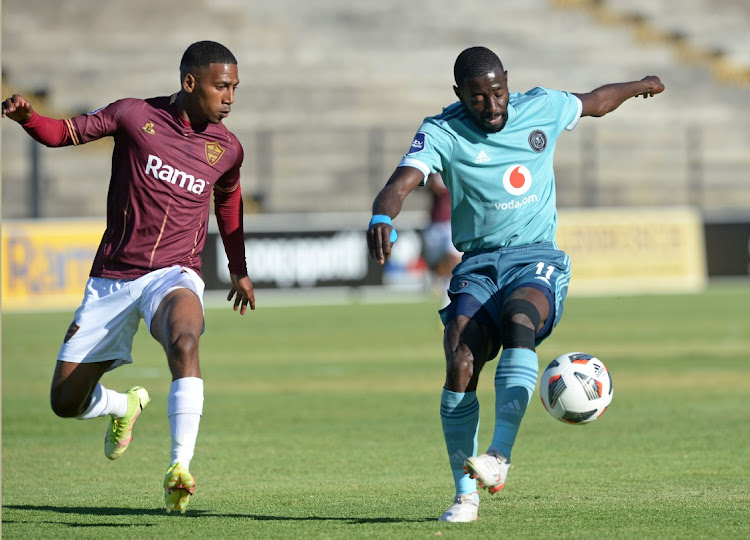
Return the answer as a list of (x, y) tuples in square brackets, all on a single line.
[(242, 292), (654, 84), (17, 108), (378, 242)]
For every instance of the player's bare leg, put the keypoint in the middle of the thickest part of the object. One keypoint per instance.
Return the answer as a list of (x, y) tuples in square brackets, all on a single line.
[(73, 385), (76, 393), (467, 346), (177, 325)]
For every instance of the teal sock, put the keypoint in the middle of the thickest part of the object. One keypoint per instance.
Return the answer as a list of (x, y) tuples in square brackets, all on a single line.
[(459, 413), (515, 380)]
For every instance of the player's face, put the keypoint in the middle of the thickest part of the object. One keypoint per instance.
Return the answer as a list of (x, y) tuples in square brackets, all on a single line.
[(213, 93), (486, 100)]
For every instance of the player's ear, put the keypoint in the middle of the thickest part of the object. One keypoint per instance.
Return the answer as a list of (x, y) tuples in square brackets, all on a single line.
[(457, 92), (189, 83)]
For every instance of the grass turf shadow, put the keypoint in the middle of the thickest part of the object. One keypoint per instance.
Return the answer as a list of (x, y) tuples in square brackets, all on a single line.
[(113, 511)]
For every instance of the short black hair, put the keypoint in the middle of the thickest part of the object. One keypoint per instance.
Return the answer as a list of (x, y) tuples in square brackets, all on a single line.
[(202, 54), (475, 62)]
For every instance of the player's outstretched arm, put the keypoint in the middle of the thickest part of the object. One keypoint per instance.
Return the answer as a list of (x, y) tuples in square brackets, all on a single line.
[(17, 108), (607, 98), (242, 293), (48, 131), (388, 203)]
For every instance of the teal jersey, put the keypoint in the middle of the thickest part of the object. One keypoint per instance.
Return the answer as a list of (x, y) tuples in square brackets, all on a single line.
[(502, 184)]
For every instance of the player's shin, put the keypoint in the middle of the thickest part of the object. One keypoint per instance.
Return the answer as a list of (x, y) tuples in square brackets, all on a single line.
[(459, 413), (515, 380), (184, 409)]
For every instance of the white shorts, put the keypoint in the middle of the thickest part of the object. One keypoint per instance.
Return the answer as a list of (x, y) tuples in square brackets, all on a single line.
[(104, 326), (438, 243)]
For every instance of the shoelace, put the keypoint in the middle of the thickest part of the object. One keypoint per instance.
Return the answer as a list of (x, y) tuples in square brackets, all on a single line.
[(119, 428)]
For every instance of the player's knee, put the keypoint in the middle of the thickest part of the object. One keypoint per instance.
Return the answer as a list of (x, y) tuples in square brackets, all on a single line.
[(519, 320), (66, 405), (182, 354), (184, 346), (461, 366)]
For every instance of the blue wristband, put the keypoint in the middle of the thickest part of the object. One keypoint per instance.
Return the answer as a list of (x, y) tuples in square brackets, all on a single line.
[(382, 218)]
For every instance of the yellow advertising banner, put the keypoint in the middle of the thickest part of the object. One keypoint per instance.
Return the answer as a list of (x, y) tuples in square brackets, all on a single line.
[(45, 264), (633, 250)]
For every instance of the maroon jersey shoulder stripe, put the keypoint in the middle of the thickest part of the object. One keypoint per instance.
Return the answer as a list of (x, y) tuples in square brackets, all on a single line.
[(72, 132)]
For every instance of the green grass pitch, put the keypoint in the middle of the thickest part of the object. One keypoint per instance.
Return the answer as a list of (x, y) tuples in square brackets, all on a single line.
[(322, 422)]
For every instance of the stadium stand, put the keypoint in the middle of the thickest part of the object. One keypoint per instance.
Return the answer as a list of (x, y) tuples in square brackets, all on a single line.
[(331, 91)]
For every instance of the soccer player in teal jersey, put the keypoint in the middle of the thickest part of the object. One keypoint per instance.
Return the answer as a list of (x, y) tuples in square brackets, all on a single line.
[(494, 150)]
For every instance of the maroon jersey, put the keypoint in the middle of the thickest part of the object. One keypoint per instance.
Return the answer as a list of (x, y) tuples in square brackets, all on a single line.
[(440, 210), (163, 174)]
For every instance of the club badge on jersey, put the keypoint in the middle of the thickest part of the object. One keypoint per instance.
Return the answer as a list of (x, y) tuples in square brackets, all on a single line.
[(214, 151)]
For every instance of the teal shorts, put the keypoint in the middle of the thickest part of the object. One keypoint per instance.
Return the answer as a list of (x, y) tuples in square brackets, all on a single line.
[(484, 279)]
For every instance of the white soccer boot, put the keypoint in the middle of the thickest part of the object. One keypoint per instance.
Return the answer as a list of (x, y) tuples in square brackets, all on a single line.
[(489, 470), (463, 510)]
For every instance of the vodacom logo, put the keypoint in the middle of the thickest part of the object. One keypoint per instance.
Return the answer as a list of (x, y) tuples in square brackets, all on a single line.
[(517, 180)]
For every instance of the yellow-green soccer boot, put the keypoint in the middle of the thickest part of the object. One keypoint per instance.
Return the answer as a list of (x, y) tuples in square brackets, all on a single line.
[(179, 485), (120, 431)]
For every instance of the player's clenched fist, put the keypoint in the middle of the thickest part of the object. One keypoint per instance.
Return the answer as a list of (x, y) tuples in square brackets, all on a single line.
[(17, 108), (655, 86)]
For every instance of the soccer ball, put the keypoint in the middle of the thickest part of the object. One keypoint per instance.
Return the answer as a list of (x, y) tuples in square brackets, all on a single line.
[(576, 388)]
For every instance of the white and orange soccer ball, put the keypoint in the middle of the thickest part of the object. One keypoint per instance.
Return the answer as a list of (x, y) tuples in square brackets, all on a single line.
[(576, 388)]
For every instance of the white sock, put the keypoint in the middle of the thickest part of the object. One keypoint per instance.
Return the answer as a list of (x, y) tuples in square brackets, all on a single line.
[(184, 410), (105, 402)]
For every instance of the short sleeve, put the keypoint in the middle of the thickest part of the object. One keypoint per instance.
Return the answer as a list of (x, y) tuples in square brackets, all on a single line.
[(102, 122), (567, 107), (430, 149)]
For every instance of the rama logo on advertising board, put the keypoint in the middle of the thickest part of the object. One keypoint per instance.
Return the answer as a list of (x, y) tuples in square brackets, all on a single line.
[(46, 264)]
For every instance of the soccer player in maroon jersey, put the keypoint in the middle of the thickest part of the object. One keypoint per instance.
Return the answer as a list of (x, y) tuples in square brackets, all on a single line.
[(170, 154), (440, 254)]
